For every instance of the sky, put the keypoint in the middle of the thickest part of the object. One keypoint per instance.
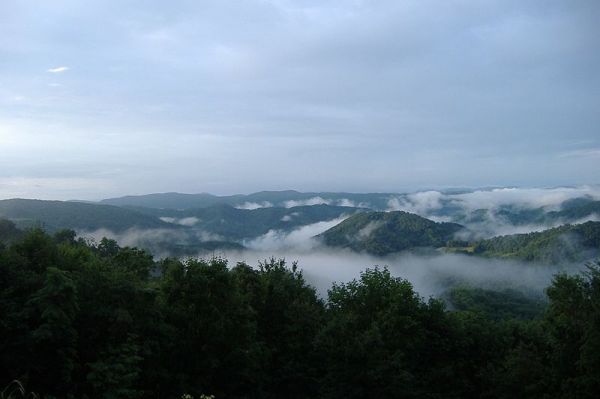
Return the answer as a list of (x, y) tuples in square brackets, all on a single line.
[(106, 98)]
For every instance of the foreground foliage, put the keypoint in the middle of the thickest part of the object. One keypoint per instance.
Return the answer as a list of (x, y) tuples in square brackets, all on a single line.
[(83, 320)]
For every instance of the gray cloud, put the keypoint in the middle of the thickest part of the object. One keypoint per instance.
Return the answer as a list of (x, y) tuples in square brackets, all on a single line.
[(171, 97), (425, 202), (254, 205)]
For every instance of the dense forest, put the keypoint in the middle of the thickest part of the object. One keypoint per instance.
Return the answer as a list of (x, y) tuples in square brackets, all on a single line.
[(83, 319)]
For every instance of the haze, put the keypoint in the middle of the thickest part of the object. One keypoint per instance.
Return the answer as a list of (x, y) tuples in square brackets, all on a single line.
[(100, 99)]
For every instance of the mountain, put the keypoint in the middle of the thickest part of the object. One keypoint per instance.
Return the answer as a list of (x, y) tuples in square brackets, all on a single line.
[(55, 215), (568, 243), (570, 211), (179, 233), (576, 209), (167, 200), (238, 224), (286, 198), (382, 233)]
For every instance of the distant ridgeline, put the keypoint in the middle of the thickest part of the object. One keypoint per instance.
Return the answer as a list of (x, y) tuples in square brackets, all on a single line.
[(56, 215), (286, 198)]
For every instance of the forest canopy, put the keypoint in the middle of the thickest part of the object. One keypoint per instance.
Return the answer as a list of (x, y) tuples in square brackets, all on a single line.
[(97, 320)]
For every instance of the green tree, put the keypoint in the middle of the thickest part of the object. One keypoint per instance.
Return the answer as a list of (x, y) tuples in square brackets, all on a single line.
[(289, 316), (116, 372), (53, 336), (213, 332)]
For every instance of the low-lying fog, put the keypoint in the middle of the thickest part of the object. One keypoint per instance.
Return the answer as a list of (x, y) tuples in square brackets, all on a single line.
[(431, 275)]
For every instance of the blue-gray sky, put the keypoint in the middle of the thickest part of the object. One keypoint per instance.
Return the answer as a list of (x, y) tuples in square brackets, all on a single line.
[(102, 98)]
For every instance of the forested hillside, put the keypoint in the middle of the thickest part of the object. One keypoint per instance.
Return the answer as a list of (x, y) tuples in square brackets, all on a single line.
[(56, 215), (102, 321), (569, 243), (237, 224), (214, 223), (382, 233)]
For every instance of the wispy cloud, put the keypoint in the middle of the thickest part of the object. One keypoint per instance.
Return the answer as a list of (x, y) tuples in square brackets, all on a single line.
[(58, 69), (480, 99), (588, 152)]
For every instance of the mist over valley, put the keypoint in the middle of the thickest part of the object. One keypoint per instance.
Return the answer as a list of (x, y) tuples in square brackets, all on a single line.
[(428, 237)]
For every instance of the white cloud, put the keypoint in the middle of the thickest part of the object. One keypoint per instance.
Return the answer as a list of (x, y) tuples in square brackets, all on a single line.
[(58, 69), (310, 201), (585, 153), (188, 221), (352, 204), (255, 205), (550, 198), (301, 239), (420, 203)]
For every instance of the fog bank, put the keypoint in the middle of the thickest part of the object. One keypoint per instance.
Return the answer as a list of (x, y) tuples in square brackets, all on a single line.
[(431, 275)]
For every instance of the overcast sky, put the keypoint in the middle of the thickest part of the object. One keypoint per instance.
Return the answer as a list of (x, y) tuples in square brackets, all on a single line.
[(103, 98)]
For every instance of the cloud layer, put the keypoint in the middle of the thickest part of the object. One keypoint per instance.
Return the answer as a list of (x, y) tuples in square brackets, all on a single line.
[(219, 97)]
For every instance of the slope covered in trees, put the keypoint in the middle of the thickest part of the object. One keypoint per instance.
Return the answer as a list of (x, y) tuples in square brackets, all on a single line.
[(108, 322), (179, 233), (237, 224), (225, 221), (382, 233), (56, 215), (568, 243), (576, 209)]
